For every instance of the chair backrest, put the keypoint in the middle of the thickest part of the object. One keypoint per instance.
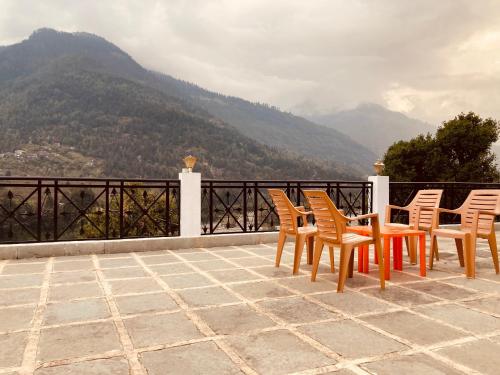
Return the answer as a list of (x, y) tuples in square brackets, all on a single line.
[(284, 208), (425, 198), (329, 220), (486, 200)]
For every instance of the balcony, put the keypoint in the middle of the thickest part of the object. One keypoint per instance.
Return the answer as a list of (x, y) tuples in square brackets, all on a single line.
[(229, 310), (215, 303)]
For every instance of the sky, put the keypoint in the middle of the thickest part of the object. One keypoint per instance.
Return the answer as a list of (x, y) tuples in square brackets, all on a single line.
[(430, 59)]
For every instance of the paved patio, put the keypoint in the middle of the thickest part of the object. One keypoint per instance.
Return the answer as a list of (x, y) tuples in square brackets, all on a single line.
[(230, 311)]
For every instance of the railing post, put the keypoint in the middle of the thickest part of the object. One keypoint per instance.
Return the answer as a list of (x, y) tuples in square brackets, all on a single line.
[(190, 204), (380, 195)]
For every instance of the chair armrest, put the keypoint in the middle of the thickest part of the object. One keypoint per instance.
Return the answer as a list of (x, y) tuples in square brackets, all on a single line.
[(491, 213), (389, 208), (361, 217), (447, 211), (299, 211)]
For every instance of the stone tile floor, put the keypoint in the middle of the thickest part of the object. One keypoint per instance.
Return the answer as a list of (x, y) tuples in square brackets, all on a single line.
[(230, 311)]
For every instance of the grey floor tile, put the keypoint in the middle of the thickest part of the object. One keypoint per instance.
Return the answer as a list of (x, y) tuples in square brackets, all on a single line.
[(297, 310), (145, 303), (111, 366), (410, 365)]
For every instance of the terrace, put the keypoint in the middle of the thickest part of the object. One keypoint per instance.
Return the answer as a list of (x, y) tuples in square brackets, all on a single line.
[(229, 310), (224, 309)]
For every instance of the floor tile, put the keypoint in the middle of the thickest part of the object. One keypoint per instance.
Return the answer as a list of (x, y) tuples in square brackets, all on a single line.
[(481, 355), (352, 340), (462, 317), (273, 272), (20, 297), (297, 310), (197, 256), (146, 284), (20, 281), (440, 290), (480, 285), (183, 281), (211, 265), (145, 303), (353, 303), (413, 328), (171, 268), (229, 276), (160, 259), (260, 289), (210, 360), (59, 343), (15, 318), (231, 254), (161, 329), (236, 319), (76, 311), (278, 352), (253, 262), (304, 284), (207, 296), (490, 304), (74, 291), (410, 365), (117, 262), (15, 269), (12, 347), (111, 366), (74, 265), (72, 277), (124, 273), (400, 296)]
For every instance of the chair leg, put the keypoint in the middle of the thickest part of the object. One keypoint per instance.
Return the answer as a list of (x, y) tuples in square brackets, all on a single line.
[(281, 244), (408, 246), (310, 248), (460, 251), (378, 251), (467, 256), (299, 247), (351, 265), (432, 251), (332, 258), (492, 240), (472, 256), (318, 249), (345, 255), (436, 251)]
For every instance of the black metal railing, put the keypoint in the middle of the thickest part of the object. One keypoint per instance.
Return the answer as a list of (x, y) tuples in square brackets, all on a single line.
[(454, 194), (57, 209), (245, 206)]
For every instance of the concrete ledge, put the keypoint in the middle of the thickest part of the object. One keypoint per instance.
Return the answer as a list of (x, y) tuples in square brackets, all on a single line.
[(48, 249)]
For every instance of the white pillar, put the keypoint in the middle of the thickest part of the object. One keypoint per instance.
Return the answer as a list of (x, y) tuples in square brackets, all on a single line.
[(380, 195), (190, 204)]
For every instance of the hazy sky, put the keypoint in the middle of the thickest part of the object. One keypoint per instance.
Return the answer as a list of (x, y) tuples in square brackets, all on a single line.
[(430, 59)]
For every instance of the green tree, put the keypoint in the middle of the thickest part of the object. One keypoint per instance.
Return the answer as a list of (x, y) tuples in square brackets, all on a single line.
[(460, 151)]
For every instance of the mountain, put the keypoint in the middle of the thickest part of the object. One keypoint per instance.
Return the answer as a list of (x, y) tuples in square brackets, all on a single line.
[(262, 123), (374, 126), (59, 96)]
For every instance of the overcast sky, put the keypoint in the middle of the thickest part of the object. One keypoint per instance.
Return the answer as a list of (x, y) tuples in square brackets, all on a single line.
[(429, 59)]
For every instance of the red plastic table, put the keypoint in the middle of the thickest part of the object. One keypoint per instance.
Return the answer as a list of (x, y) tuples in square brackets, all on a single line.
[(388, 233)]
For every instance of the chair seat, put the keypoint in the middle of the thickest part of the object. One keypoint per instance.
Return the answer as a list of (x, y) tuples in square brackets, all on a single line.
[(307, 230), (397, 225), (349, 239), (451, 233)]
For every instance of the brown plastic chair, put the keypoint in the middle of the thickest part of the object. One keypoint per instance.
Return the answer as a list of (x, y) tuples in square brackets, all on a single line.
[(331, 224), (418, 219), (477, 220), (288, 215)]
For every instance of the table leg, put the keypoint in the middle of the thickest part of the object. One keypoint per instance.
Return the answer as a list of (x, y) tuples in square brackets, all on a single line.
[(398, 253), (366, 259), (387, 257), (361, 250), (421, 241)]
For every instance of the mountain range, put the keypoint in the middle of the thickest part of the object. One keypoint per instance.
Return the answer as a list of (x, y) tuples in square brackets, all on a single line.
[(76, 91), (374, 126)]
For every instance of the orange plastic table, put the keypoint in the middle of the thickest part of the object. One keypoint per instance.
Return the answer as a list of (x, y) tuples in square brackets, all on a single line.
[(397, 235)]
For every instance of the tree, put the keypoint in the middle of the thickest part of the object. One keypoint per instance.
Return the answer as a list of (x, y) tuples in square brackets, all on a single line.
[(460, 151)]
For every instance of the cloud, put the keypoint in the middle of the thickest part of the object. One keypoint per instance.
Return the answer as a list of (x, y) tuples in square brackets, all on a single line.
[(430, 59)]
